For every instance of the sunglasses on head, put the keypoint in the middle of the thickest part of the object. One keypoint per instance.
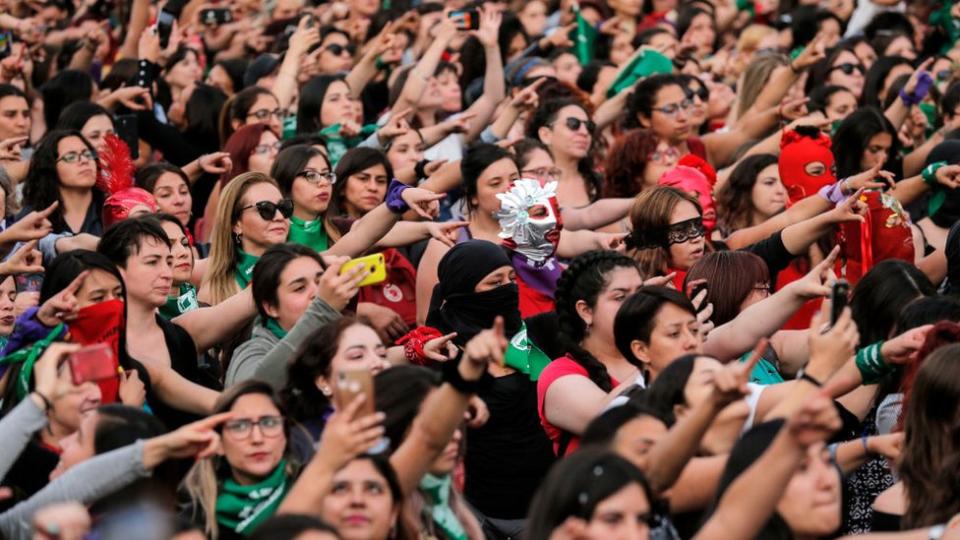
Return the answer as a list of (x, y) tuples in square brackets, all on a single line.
[(268, 209), (337, 49), (574, 124), (848, 68)]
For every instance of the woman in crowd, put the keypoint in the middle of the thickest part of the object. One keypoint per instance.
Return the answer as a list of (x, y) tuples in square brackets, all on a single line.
[(752, 194)]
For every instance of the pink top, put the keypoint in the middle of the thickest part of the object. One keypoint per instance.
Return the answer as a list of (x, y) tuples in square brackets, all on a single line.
[(559, 368)]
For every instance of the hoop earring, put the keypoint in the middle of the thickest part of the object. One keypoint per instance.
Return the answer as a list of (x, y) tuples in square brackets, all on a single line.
[(237, 238)]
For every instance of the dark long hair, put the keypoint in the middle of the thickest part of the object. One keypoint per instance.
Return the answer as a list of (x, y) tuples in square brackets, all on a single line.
[(203, 113), (853, 135), (311, 102), (400, 391), (882, 293), (585, 279), (576, 486), (41, 188), (735, 198), (731, 276), (269, 268), (76, 115), (354, 161)]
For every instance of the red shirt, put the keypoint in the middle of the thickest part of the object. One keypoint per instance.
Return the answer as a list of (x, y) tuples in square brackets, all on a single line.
[(532, 301), (559, 368)]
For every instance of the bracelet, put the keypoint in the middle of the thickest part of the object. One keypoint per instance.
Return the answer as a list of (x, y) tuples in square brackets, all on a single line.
[(910, 99), (394, 199), (419, 169), (929, 173), (863, 441), (47, 404), (413, 343), (804, 376), (871, 364), (451, 376)]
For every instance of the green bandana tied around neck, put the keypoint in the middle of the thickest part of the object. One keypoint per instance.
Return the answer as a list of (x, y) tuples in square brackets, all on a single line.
[(244, 508), (524, 356), (274, 327), (309, 233), (436, 494), (338, 145), (185, 300), (28, 356), (245, 265)]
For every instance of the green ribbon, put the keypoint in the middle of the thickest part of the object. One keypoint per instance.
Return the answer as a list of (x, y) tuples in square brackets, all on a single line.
[(244, 508), (28, 357), (309, 233), (524, 356), (274, 327), (939, 194), (185, 300), (436, 493), (338, 145), (245, 264)]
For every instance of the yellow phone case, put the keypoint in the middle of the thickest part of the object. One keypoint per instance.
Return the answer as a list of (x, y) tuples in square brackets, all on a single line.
[(375, 264)]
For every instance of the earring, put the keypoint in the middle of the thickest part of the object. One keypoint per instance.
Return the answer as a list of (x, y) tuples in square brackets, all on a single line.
[(326, 391), (237, 237)]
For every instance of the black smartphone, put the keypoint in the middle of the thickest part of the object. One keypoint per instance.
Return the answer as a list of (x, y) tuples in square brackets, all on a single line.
[(6, 44), (126, 125), (466, 19), (216, 16), (311, 20), (166, 17), (839, 295)]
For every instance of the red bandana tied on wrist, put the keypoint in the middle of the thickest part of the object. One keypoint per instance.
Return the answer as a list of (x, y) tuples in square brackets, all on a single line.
[(798, 151), (116, 180)]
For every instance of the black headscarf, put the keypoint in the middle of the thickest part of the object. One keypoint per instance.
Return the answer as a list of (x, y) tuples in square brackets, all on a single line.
[(455, 307)]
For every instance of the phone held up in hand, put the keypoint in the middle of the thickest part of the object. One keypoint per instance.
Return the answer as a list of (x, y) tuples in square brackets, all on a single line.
[(466, 19), (839, 295), (92, 364)]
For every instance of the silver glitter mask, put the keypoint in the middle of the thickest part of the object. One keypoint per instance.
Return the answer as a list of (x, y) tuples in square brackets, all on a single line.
[(534, 236)]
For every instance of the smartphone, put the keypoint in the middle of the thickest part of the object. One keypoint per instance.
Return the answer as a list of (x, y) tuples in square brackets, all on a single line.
[(466, 19), (6, 44), (165, 26), (215, 16), (311, 21), (126, 126), (839, 296), (28, 283), (93, 363), (350, 384), (375, 264)]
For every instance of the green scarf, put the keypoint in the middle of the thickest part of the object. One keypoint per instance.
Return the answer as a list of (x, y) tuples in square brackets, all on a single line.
[(245, 264), (244, 508), (436, 494), (274, 327), (524, 356), (28, 356), (309, 233), (185, 300), (338, 145)]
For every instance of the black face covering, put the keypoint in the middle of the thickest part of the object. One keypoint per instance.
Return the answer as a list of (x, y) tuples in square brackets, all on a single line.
[(455, 307)]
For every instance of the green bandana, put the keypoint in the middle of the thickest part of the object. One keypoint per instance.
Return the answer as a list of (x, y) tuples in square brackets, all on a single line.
[(309, 233), (185, 300), (337, 145), (28, 356), (436, 494), (245, 266), (274, 327), (524, 356), (243, 508)]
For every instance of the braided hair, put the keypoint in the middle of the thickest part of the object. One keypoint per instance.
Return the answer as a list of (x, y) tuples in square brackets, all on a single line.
[(585, 279)]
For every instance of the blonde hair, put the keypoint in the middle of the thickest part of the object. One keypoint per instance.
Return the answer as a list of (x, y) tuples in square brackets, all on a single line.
[(651, 211), (752, 36), (219, 277), (755, 77)]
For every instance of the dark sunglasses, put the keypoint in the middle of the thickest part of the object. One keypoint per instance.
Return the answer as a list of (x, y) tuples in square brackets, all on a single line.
[(338, 49), (699, 90), (847, 68), (268, 209), (944, 74), (574, 124)]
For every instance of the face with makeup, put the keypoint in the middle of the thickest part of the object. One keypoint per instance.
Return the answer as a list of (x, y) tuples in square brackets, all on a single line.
[(530, 219)]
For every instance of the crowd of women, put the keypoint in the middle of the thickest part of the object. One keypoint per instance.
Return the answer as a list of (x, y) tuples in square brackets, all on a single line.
[(464, 270)]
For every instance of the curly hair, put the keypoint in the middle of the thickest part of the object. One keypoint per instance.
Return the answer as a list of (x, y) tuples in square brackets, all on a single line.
[(41, 187), (585, 279), (626, 162)]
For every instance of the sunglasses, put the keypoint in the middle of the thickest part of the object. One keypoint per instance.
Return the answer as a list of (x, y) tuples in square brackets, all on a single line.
[(573, 124), (74, 157), (336, 49), (944, 74), (848, 68), (268, 209), (700, 91)]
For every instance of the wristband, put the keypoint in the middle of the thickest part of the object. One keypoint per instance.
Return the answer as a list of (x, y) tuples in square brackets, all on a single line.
[(451, 376), (378, 63), (394, 199), (414, 341), (802, 375), (929, 173), (863, 441), (871, 365), (420, 168), (834, 192)]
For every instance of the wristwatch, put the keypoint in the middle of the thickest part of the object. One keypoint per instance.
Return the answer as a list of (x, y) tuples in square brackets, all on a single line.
[(936, 532)]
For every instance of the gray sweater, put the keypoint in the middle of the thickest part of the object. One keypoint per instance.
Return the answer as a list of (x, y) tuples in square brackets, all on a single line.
[(16, 430), (266, 357)]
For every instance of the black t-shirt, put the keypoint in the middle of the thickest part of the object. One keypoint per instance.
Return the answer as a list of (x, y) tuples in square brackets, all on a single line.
[(30, 473), (507, 459)]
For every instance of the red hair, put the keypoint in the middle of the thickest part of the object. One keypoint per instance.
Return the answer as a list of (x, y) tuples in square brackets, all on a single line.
[(943, 333), (240, 146), (626, 161)]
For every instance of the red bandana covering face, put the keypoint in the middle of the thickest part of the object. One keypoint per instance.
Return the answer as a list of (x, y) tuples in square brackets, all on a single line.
[(801, 155), (101, 323), (692, 181)]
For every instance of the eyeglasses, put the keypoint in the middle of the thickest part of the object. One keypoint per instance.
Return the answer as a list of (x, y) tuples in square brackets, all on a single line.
[(314, 177), (268, 209), (270, 426), (847, 68), (265, 114), (76, 157), (944, 74), (551, 173), (266, 148), (337, 49), (673, 108), (691, 229), (573, 124)]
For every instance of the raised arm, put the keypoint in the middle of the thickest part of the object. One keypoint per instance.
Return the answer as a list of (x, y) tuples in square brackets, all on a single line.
[(416, 84), (494, 87), (306, 36), (211, 325)]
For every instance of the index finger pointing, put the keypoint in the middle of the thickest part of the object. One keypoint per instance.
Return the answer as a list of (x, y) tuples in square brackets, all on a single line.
[(49, 210)]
